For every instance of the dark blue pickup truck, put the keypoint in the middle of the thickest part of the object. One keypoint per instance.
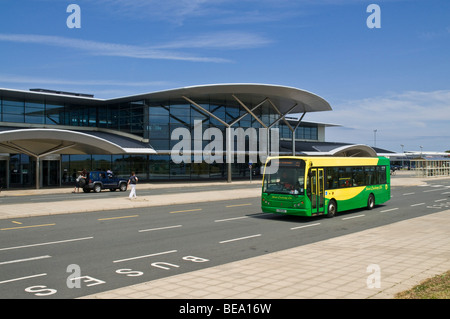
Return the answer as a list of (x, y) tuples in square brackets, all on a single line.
[(98, 180)]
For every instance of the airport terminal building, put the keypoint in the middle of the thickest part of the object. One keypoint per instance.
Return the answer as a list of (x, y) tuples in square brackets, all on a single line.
[(47, 136)]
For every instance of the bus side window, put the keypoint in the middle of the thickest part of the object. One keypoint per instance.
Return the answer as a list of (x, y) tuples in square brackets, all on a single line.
[(345, 177), (370, 175), (358, 176), (332, 174), (381, 174)]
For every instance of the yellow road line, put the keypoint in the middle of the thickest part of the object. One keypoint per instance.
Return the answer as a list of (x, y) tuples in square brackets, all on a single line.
[(118, 217), (185, 211), (21, 227), (238, 205), (13, 221)]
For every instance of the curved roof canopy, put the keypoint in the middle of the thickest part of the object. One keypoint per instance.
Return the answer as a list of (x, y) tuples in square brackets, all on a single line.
[(282, 96), (39, 142), (328, 149)]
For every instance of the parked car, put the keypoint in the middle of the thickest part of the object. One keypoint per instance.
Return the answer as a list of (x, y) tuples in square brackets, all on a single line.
[(98, 180)]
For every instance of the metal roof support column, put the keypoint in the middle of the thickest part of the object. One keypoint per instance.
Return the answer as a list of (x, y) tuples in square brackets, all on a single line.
[(206, 111), (293, 133), (244, 115), (250, 111), (282, 116), (228, 134), (256, 118)]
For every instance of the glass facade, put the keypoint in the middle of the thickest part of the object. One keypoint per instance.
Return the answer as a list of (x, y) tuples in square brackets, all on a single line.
[(150, 119)]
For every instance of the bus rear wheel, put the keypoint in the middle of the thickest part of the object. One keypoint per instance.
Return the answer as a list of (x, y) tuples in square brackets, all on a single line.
[(332, 209), (371, 202)]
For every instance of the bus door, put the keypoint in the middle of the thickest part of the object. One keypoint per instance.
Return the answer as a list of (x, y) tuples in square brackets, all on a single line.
[(317, 190)]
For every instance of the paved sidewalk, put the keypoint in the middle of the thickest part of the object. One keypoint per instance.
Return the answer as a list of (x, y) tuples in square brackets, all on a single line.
[(403, 254), (122, 202)]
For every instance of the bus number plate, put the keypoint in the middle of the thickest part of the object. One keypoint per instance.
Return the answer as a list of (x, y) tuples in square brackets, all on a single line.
[(281, 211)]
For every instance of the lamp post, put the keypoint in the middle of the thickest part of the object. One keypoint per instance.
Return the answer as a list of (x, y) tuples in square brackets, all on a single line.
[(375, 138), (403, 154)]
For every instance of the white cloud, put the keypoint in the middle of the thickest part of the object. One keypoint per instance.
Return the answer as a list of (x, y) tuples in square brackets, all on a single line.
[(17, 79), (107, 49), (167, 51), (175, 11), (219, 40), (410, 118)]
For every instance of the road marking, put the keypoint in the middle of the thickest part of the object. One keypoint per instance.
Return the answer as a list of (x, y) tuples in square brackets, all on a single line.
[(419, 204), (240, 238), (132, 216), (353, 217), (440, 200), (388, 210), (225, 220), (406, 194), (22, 260), (22, 278), (160, 228), (48, 243), (145, 256), (434, 190), (22, 227), (259, 214), (13, 221), (238, 205), (445, 193), (305, 226), (41, 198), (186, 211)]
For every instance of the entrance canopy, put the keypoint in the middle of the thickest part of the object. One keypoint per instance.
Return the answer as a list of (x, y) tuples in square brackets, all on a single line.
[(40, 142)]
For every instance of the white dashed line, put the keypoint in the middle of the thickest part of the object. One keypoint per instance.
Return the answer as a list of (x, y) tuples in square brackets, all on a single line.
[(160, 228), (305, 226), (351, 217), (240, 238), (388, 210)]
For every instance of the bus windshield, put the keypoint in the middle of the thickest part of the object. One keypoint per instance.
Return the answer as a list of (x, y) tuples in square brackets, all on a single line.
[(288, 179)]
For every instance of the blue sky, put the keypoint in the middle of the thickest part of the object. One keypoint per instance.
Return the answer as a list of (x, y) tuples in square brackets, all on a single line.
[(395, 79)]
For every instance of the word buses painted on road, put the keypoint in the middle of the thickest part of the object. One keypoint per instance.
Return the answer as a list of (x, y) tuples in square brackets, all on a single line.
[(309, 186)]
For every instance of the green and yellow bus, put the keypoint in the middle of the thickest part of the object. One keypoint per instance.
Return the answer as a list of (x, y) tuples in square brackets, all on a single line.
[(310, 186)]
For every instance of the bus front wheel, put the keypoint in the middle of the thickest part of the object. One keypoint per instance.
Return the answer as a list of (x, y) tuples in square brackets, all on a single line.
[(332, 208), (371, 202)]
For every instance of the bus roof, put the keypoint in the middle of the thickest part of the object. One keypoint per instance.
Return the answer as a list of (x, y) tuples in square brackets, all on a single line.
[(337, 161)]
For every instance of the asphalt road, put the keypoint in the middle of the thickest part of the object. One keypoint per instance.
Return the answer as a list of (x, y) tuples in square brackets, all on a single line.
[(69, 256)]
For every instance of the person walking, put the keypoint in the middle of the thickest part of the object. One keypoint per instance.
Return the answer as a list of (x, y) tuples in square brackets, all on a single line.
[(80, 181), (132, 181)]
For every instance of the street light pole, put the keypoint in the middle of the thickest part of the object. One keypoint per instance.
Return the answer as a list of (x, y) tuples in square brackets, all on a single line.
[(375, 138), (403, 154)]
